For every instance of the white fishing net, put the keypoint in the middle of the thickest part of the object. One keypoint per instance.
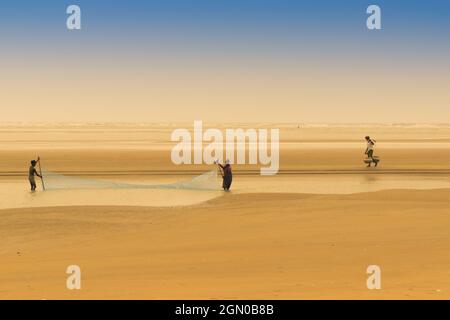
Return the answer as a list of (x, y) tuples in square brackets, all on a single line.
[(56, 181)]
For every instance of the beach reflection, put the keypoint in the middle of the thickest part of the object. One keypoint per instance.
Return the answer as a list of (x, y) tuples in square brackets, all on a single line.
[(14, 192), (339, 183)]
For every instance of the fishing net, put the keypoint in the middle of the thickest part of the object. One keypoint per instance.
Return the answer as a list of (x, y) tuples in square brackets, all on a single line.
[(56, 181)]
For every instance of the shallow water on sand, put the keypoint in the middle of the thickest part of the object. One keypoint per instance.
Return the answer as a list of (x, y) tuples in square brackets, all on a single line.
[(14, 192), (329, 183)]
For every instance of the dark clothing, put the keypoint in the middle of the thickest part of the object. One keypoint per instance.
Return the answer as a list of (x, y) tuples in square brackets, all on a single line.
[(227, 180), (370, 156), (227, 176)]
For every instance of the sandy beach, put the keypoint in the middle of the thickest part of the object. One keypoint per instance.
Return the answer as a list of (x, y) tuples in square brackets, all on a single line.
[(309, 232), (219, 150)]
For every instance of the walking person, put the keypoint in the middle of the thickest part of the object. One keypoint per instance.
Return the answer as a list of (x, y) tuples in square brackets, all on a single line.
[(369, 151)]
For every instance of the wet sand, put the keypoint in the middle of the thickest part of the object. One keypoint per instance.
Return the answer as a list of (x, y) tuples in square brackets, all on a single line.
[(13, 192), (309, 232)]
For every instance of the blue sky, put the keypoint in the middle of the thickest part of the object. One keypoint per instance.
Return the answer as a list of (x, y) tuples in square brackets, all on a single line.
[(230, 21), (279, 38)]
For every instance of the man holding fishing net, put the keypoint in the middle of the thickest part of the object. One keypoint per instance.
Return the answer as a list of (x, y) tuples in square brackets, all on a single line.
[(226, 173), (32, 172)]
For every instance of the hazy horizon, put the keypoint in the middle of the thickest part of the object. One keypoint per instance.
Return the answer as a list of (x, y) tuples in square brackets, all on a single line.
[(209, 123)]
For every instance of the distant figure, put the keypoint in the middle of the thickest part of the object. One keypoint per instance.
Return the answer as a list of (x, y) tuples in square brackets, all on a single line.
[(227, 174), (369, 151), (32, 172)]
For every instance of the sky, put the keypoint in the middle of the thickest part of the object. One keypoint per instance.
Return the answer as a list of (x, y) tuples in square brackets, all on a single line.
[(225, 60)]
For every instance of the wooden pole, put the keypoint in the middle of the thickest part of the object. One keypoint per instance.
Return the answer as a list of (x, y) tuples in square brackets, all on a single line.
[(219, 168), (40, 172)]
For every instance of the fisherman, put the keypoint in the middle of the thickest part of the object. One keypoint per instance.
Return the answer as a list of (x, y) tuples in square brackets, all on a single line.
[(32, 172), (227, 174), (369, 151)]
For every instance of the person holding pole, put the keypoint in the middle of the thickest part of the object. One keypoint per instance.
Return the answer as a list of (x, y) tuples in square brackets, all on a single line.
[(227, 175), (32, 172)]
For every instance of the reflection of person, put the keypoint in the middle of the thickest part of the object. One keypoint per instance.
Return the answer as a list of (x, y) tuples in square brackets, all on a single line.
[(369, 150), (31, 173), (227, 175)]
